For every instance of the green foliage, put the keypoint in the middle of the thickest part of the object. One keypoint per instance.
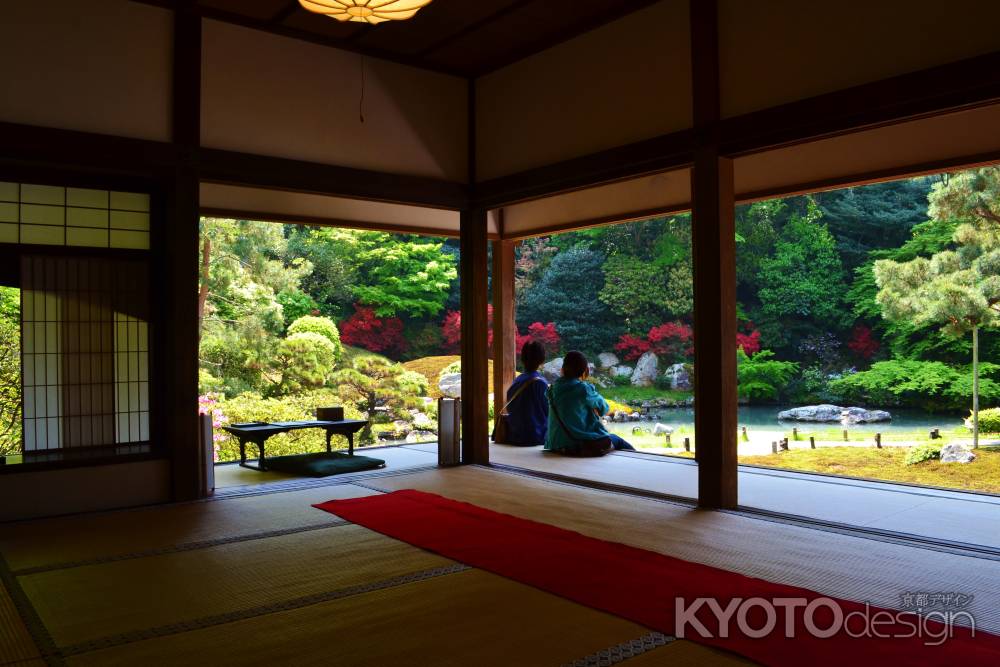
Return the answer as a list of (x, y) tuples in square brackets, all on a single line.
[(402, 277), (323, 326), (208, 383), (927, 451), (380, 388), (930, 385), (868, 217), (305, 361), (10, 371), (760, 376), (453, 367), (756, 237), (296, 304), (568, 295), (989, 420), (637, 291), (804, 277)]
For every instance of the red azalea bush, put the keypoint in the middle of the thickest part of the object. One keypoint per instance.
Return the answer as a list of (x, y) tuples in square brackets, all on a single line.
[(451, 330), (545, 334), (862, 342), (750, 342), (671, 339), (364, 329)]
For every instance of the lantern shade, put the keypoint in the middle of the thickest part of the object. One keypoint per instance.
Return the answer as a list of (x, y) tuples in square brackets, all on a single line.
[(365, 11)]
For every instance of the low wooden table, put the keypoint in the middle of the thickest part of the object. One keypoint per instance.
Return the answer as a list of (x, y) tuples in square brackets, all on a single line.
[(259, 432)]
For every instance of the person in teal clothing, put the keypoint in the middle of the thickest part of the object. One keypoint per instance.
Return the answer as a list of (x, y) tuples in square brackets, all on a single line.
[(575, 411)]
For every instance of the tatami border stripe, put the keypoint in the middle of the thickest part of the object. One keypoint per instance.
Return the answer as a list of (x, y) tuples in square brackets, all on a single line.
[(178, 548), (614, 655), (262, 610), (32, 621)]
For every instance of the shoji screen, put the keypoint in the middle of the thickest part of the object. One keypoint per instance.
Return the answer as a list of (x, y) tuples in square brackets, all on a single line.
[(85, 352)]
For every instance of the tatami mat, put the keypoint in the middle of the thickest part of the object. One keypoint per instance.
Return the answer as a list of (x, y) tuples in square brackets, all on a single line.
[(840, 565), (86, 603), (470, 618), (16, 645), (51, 542), (682, 653)]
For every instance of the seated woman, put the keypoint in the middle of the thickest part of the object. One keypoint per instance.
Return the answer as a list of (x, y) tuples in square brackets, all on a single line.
[(527, 409), (575, 411)]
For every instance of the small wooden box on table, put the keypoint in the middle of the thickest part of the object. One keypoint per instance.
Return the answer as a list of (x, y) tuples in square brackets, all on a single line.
[(259, 432)]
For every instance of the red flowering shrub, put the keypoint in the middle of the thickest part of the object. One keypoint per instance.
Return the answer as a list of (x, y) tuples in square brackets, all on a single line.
[(364, 329), (862, 342), (451, 330), (545, 334), (671, 339), (750, 342)]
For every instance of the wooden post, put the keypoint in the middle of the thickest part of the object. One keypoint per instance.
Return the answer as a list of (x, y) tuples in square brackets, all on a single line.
[(687, 444), (713, 247), (812, 442), (774, 447), (845, 435), (744, 434), (878, 440), (795, 433), (175, 275), (668, 438), (784, 445), (504, 337), (475, 359)]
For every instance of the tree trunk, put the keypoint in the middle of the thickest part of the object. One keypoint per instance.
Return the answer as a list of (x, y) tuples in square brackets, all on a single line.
[(206, 262), (975, 387)]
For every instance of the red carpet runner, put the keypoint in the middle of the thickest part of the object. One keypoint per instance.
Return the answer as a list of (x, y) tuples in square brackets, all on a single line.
[(644, 586)]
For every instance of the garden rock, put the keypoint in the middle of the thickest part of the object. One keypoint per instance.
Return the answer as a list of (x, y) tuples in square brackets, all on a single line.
[(552, 370), (620, 371), (662, 429), (862, 416), (607, 360), (645, 370), (420, 436), (834, 413), (451, 385), (957, 453), (680, 380)]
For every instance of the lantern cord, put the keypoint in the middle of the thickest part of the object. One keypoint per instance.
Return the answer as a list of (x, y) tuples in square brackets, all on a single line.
[(361, 102)]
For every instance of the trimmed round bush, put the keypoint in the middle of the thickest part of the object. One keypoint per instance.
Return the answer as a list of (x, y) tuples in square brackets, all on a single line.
[(306, 361), (323, 326), (989, 420)]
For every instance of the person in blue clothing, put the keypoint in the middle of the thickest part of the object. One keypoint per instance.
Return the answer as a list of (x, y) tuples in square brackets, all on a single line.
[(575, 411), (528, 409)]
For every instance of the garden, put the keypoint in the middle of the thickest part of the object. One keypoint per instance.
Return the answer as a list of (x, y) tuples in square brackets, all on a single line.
[(871, 296)]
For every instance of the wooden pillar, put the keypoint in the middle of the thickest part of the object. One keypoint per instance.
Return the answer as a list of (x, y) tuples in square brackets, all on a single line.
[(504, 332), (176, 280), (714, 258), (475, 356)]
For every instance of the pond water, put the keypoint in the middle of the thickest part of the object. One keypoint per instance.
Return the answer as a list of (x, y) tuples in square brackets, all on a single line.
[(765, 417)]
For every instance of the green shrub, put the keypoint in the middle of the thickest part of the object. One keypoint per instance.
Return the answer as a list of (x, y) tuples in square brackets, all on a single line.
[(208, 383), (626, 380), (324, 326), (989, 420), (931, 385), (296, 304), (925, 452), (760, 376), (453, 367), (305, 361), (413, 383)]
